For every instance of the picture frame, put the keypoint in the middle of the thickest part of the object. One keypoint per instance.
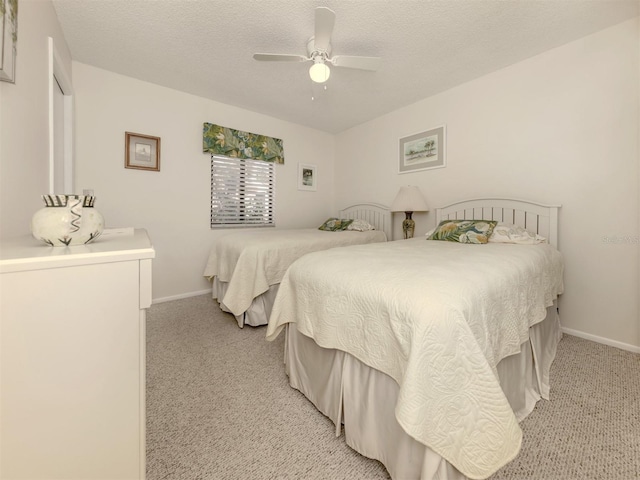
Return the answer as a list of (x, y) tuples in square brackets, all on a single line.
[(8, 39), (142, 152), (307, 177), (422, 151)]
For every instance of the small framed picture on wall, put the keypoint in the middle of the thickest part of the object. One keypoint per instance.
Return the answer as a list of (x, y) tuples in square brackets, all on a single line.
[(423, 151), (307, 177), (142, 152), (8, 39)]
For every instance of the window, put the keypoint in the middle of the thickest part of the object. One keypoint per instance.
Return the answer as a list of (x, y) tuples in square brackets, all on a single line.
[(242, 192)]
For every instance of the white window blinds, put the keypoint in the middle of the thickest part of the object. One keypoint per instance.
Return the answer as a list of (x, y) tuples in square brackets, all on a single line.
[(242, 192)]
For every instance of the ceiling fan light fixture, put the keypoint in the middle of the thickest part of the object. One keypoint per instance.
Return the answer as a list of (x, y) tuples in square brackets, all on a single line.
[(319, 51), (319, 72)]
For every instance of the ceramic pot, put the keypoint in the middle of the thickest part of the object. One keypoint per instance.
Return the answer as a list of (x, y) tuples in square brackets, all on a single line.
[(67, 220)]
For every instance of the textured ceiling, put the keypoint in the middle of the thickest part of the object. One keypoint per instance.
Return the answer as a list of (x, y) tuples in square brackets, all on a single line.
[(205, 47)]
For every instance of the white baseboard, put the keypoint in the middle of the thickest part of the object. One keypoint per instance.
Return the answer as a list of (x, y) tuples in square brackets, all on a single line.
[(181, 296), (605, 341)]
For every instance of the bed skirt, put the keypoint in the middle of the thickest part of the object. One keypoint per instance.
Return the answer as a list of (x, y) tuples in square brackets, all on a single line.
[(257, 314), (363, 399)]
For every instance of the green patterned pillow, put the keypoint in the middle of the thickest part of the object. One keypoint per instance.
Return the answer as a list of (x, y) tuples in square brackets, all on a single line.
[(464, 231), (335, 224)]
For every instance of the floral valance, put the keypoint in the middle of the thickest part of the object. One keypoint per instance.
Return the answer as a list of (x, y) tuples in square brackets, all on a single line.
[(238, 144)]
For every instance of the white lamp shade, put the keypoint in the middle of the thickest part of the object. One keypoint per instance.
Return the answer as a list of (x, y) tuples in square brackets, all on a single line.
[(409, 199), (319, 72)]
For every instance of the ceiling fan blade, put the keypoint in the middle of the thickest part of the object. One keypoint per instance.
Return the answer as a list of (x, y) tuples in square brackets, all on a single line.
[(362, 63), (325, 19), (279, 57)]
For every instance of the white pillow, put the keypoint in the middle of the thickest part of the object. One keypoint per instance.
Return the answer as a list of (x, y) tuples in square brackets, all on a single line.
[(360, 226), (507, 233)]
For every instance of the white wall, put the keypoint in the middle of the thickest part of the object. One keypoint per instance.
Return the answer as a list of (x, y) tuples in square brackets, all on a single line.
[(559, 128), (173, 204), (24, 114)]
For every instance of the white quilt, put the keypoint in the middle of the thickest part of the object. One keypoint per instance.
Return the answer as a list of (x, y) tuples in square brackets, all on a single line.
[(437, 317), (253, 260)]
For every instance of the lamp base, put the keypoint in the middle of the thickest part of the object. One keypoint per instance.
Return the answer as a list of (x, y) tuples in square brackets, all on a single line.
[(408, 226)]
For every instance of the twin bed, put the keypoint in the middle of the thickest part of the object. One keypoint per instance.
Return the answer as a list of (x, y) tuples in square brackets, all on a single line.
[(245, 267), (428, 352)]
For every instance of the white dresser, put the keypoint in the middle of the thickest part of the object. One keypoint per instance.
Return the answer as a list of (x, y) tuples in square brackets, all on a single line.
[(72, 358)]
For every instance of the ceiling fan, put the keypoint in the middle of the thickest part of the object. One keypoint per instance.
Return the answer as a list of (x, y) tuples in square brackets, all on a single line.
[(319, 51)]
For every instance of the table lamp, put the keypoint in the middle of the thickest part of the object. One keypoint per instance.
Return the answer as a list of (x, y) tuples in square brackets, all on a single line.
[(409, 200)]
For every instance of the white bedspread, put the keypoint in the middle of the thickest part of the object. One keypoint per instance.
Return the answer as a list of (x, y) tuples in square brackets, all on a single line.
[(437, 317), (253, 260)]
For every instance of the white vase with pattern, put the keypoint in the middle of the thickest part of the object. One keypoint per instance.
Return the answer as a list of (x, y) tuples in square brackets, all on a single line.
[(67, 220)]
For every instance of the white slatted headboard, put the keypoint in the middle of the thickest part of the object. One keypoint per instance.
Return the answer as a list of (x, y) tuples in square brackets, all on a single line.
[(374, 213), (535, 217)]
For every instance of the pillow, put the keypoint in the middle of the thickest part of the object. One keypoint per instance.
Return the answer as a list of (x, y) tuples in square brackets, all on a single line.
[(335, 224), (360, 226), (464, 231), (507, 233)]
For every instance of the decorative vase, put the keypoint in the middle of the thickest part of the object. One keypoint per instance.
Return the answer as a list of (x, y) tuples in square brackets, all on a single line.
[(67, 220)]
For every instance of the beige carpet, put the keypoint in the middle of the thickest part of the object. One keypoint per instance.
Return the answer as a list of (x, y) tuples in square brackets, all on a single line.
[(219, 407)]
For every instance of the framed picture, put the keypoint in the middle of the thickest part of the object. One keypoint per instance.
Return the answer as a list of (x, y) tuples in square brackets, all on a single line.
[(422, 151), (8, 39), (307, 178), (142, 152)]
